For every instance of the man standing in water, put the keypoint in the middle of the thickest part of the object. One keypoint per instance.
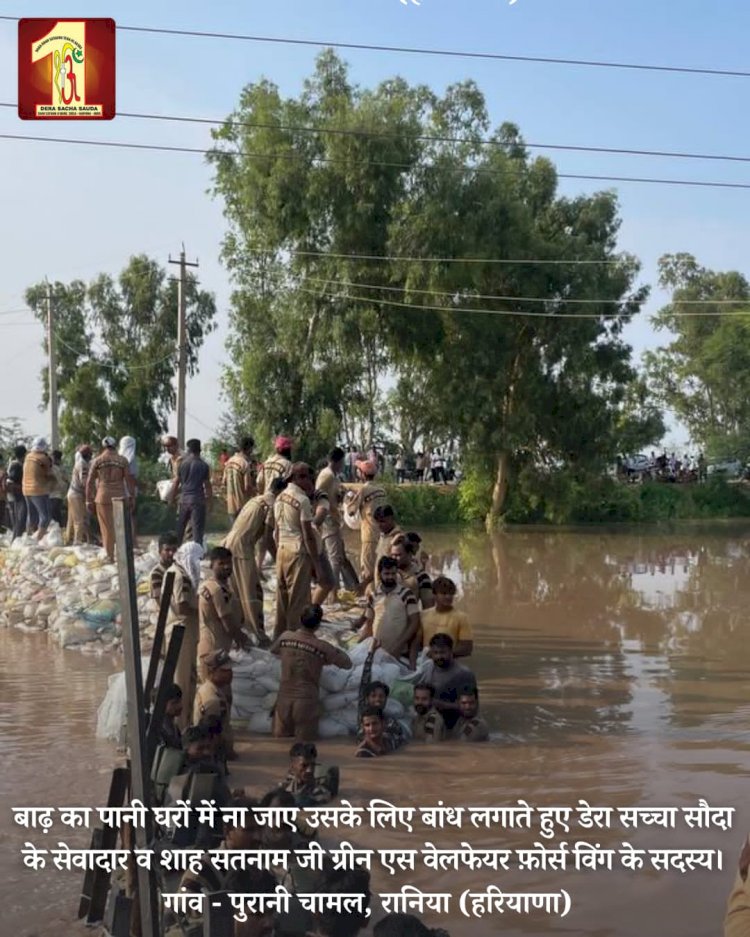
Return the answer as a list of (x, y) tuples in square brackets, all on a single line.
[(107, 480), (410, 573), (449, 679), (392, 615), (303, 657), (386, 520), (470, 726)]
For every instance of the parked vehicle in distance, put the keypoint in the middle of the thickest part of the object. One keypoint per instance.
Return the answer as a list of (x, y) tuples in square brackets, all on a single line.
[(732, 468), (637, 463)]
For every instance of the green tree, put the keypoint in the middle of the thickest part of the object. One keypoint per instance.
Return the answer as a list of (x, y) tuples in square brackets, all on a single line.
[(398, 171), (115, 350), (703, 374)]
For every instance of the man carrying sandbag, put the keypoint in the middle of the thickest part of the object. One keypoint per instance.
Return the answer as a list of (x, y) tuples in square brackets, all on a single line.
[(303, 657)]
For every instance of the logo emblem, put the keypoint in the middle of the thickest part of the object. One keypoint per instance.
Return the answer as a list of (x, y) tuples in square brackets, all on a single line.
[(66, 69)]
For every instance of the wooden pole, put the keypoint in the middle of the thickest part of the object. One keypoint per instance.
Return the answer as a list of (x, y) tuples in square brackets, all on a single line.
[(140, 768), (161, 624)]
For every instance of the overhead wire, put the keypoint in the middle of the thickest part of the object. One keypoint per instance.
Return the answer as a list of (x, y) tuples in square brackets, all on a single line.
[(427, 138), (112, 365), (519, 313), (562, 300), (417, 50), (478, 170)]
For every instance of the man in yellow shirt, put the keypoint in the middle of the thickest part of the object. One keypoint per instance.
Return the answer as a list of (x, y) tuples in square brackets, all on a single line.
[(445, 619)]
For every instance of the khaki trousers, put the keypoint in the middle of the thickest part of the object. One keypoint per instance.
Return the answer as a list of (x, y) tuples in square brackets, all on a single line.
[(185, 674), (295, 718), (367, 557), (105, 514), (293, 583), (250, 591), (77, 530)]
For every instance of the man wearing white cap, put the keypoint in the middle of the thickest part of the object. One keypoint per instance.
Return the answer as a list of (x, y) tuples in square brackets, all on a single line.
[(37, 477), (107, 480)]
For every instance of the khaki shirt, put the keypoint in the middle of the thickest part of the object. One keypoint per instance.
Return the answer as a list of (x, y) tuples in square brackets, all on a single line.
[(303, 656), (471, 730), (386, 542), (291, 510), (220, 617), (329, 483), (428, 728), (390, 618), (277, 466), (37, 474), (320, 500), (175, 461), (107, 475), (210, 701), (239, 479), (370, 496), (254, 518)]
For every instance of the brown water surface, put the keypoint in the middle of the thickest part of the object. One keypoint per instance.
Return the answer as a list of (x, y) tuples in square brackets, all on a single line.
[(612, 667)]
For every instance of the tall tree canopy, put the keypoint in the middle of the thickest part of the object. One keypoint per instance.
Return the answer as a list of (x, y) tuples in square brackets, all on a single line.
[(338, 203), (703, 374), (116, 350)]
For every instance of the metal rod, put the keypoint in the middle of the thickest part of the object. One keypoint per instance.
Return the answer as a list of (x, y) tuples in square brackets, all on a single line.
[(161, 624)]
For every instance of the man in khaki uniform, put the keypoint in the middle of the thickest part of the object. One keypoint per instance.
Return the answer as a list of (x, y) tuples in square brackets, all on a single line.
[(214, 699), (219, 611), (410, 573), (278, 465), (240, 476), (253, 525), (369, 497), (392, 615), (296, 557), (108, 479), (386, 520), (303, 657), (333, 541)]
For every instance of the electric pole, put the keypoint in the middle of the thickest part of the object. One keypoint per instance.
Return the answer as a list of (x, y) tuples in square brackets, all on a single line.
[(52, 363), (181, 343)]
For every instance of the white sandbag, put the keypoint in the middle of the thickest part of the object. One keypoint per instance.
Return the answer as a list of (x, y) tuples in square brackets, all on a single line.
[(348, 718), (74, 634), (329, 728), (394, 708), (333, 679), (246, 706), (112, 713), (334, 702), (268, 682), (261, 723), (165, 488)]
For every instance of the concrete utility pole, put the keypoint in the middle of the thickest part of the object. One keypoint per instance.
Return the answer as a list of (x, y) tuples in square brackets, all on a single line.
[(181, 343), (52, 362)]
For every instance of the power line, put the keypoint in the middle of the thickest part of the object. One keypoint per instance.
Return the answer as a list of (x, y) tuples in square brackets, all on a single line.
[(501, 312), (524, 299), (433, 260), (427, 138), (415, 50), (478, 170), (113, 366)]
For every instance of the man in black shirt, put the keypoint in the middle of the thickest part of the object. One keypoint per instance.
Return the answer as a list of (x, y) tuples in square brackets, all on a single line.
[(195, 492)]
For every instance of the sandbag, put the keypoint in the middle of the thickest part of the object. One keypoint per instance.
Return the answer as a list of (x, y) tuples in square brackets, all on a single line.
[(261, 723)]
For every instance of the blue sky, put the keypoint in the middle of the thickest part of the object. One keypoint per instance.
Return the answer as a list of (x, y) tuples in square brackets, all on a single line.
[(123, 202)]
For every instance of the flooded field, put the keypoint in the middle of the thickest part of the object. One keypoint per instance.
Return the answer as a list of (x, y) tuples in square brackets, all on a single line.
[(613, 668)]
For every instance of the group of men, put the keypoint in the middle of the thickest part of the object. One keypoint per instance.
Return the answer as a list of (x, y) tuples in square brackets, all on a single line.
[(34, 485)]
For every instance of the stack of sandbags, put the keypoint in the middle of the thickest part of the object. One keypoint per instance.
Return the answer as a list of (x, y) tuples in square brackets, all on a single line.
[(72, 591), (255, 686)]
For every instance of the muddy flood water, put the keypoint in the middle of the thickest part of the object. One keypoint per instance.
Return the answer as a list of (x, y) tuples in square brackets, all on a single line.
[(613, 668)]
